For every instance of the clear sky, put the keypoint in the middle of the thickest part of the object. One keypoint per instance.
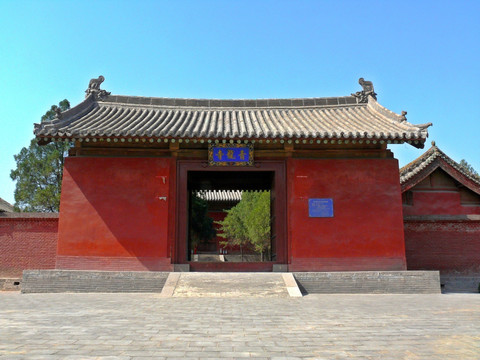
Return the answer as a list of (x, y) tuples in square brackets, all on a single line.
[(422, 56)]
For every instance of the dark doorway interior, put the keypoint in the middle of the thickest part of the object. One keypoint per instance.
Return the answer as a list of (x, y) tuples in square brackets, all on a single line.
[(230, 216)]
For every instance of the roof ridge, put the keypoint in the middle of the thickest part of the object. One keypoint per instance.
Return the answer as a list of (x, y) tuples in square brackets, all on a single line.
[(230, 103)]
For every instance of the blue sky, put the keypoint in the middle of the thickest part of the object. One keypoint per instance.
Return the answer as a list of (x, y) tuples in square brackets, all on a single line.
[(422, 56)]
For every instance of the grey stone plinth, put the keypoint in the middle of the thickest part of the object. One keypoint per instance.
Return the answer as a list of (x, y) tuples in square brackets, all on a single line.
[(57, 281), (181, 267), (280, 268), (369, 282)]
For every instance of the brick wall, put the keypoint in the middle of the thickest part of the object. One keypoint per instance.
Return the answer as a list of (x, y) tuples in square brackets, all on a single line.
[(449, 245), (27, 241)]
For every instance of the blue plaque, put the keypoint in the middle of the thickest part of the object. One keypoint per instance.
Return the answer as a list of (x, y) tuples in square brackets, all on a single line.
[(230, 154), (320, 207)]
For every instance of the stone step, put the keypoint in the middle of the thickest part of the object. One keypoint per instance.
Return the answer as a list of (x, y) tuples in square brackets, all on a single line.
[(56, 281), (369, 282), (231, 285)]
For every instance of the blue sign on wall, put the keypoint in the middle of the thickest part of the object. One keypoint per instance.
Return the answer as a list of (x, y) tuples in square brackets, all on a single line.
[(320, 207), (230, 155)]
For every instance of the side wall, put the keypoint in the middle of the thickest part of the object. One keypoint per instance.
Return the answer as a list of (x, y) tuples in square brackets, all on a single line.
[(442, 226), (27, 243), (453, 247), (114, 214), (366, 232)]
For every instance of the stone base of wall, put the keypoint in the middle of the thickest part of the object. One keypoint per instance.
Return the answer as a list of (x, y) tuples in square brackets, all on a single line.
[(56, 281), (369, 282)]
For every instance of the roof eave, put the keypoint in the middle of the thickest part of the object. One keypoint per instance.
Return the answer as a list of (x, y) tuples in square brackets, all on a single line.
[(421, 132), (66, 117)]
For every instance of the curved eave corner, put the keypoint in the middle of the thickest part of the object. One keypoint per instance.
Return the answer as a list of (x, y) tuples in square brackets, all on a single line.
[(417, 133), (41, 130)]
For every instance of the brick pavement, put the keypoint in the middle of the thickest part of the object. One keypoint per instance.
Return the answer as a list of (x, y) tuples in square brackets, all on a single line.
[(146, 326)]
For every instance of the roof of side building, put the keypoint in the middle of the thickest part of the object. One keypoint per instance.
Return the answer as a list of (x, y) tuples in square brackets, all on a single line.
[(355, 117), (434, 158), (5, 206)]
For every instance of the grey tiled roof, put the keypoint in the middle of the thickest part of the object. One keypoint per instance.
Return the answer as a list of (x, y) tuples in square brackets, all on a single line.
[(5, 206), (428, 162), (220, 195), (27, 215), (163, 118)]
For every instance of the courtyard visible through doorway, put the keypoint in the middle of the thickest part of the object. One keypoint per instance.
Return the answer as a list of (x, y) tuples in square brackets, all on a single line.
[(229, 218)]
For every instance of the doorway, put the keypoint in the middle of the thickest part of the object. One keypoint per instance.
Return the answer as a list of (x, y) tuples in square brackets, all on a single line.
[(213, 199)]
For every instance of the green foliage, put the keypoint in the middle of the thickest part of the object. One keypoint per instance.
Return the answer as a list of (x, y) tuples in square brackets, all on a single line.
[(469, 168), (50, 114), (234, 226), (39, 172), (248, 223), (201, 227), (258, 221)]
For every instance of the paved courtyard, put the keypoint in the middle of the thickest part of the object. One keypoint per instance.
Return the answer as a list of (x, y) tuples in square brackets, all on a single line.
[(145, 326)]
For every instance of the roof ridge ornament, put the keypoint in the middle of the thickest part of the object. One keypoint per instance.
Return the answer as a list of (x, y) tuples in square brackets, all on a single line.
[(94, 88), (367, 89), (424, 126), (58, 113)]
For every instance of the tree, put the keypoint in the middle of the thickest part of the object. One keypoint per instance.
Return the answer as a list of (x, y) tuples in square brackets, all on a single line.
[(248, 223), (39, 171), (469, 168), (233, 227), (258, 222)]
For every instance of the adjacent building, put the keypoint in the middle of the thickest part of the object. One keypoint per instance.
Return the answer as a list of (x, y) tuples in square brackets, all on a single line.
[(441, 207)]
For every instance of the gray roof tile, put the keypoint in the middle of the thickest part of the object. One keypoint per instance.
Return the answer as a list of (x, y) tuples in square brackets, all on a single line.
[(5, 206), (220, 195), (320, 118)]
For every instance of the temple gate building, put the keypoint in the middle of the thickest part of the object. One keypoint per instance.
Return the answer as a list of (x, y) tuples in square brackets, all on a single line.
[(137, 164)]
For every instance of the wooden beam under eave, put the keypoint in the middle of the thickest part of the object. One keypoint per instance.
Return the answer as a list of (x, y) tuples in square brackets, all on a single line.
[(174, 148), (288, 148)]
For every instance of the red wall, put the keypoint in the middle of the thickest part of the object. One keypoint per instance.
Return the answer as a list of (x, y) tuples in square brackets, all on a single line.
[(449, 246), (438, 203), (111, 217), (366, 232), (27, 242)]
